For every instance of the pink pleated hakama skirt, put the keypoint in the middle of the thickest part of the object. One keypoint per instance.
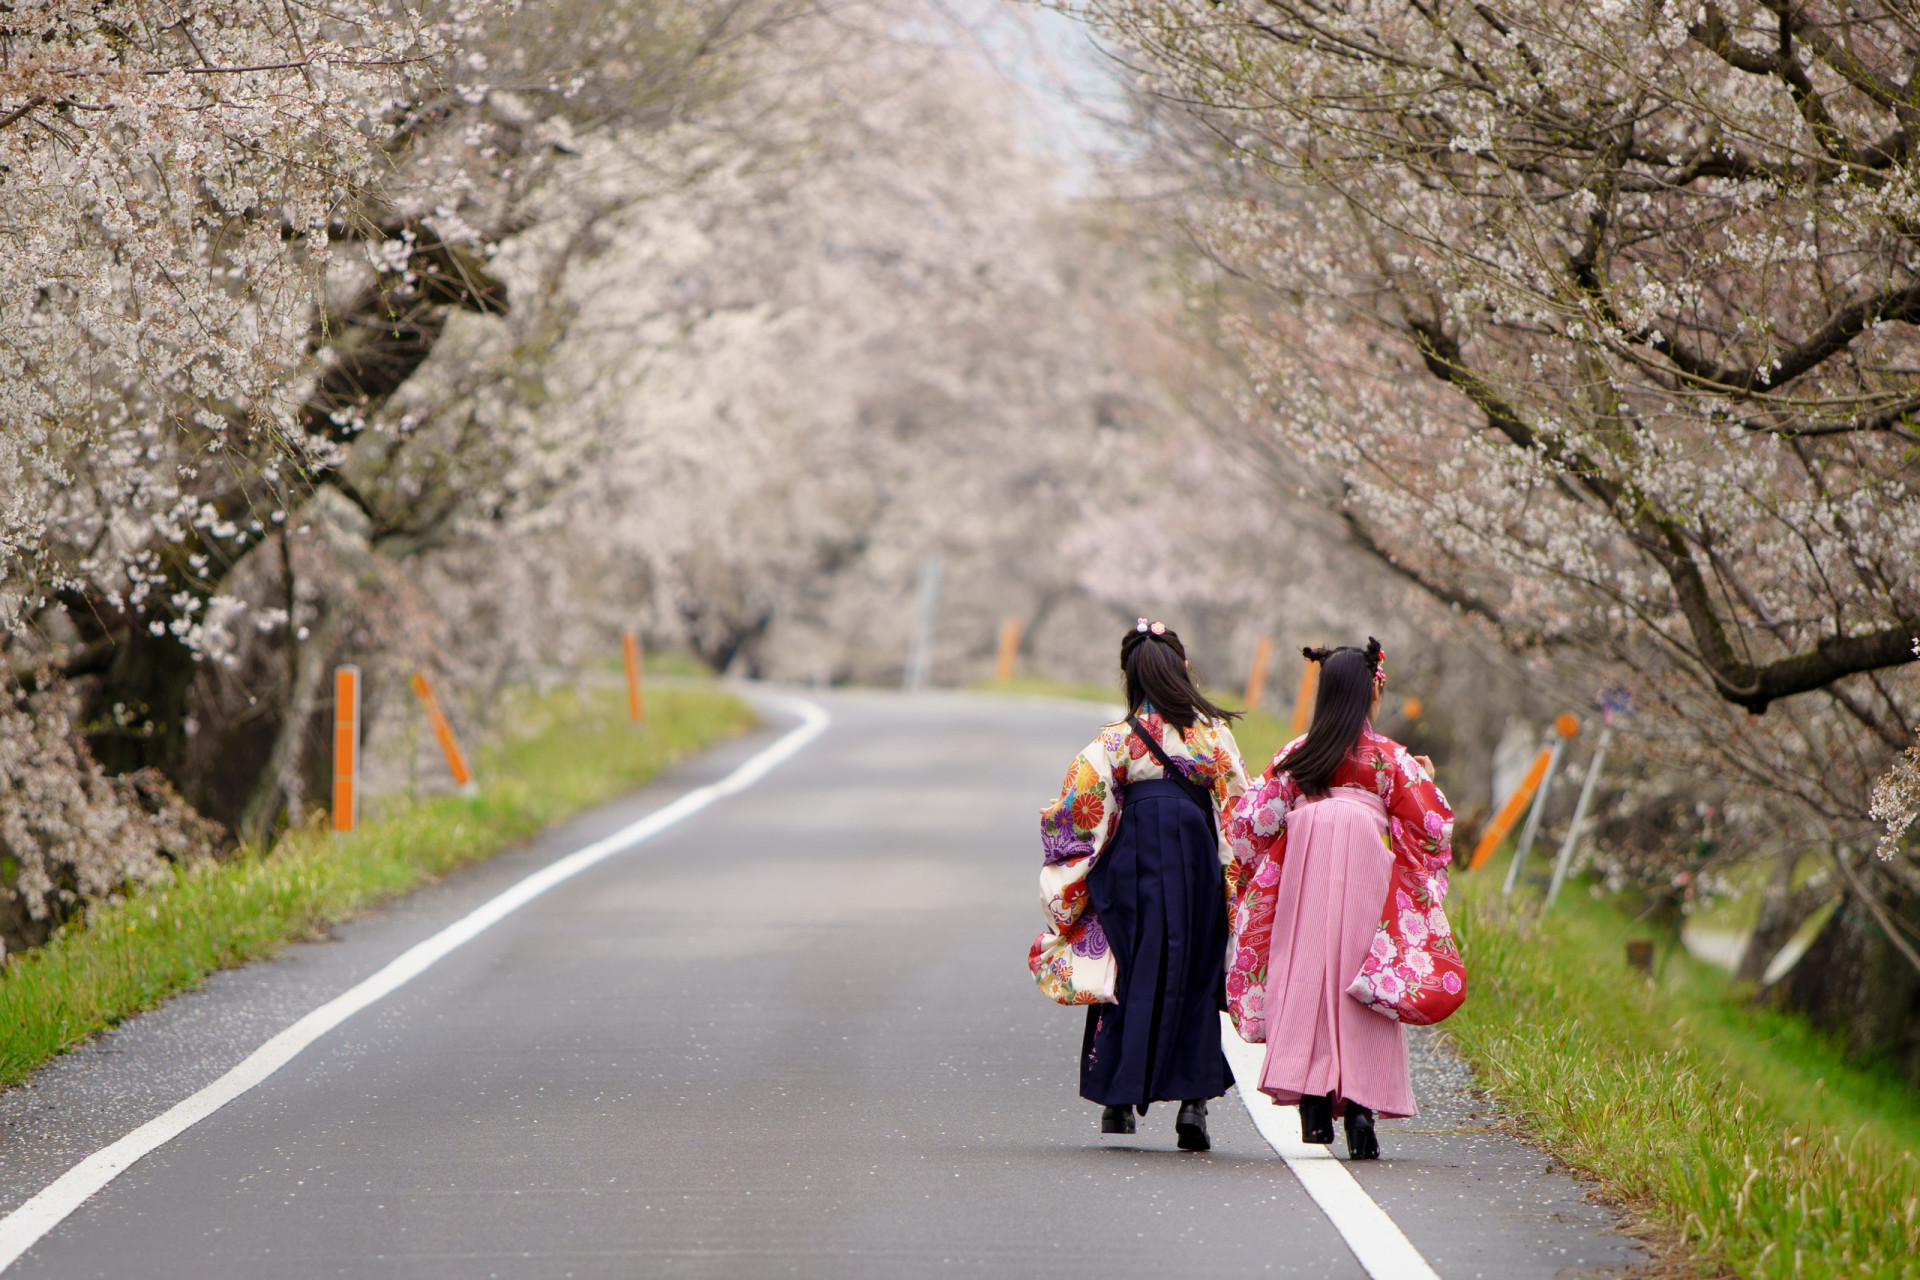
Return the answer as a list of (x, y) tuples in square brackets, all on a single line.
[(1333, 882)]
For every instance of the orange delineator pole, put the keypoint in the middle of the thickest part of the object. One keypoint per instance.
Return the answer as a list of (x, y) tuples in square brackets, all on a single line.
[(1510, 811), (1303, 700), (1257, 678), (636, 697), (437, 717), (346, 747), (1009, 651)]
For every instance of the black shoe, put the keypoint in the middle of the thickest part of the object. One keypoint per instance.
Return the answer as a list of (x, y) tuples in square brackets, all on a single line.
[(1362, 1143), (1316, 1119), (1116, 1120), (1192, 1126)]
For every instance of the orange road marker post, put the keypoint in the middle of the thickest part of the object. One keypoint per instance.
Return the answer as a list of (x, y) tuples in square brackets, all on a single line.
[(1303, 700), (1566, 728), (1257, 677), (346, 747), (1510, 811), (636, 695), (1009, 651), (443, 730)]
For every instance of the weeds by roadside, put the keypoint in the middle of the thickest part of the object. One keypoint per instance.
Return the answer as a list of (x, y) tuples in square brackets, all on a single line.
[(1046, 687), (1741, 1131), (562, 755), (1259, 733)]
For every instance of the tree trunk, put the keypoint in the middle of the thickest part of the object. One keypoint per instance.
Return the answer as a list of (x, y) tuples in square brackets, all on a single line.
[(140, 700), (1855, 982), (137, 715), (280, 785)]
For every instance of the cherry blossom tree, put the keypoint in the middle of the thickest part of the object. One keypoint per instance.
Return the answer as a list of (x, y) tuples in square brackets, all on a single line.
[(877, 342), (235, 232), (1598, 320), (533, 322)]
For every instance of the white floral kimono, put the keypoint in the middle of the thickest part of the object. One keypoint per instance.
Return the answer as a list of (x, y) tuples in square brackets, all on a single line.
[(1071, 960)]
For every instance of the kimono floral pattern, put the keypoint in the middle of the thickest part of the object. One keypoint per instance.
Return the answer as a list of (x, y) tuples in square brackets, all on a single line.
[(1070, 960), (1413, 972)]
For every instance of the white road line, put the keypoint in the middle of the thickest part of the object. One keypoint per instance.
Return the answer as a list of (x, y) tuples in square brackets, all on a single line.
[(1376, 1240), (22, 1228)]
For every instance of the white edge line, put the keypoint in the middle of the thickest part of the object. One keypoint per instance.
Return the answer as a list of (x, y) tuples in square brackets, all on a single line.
[(23, 1228), (1376, 1239)]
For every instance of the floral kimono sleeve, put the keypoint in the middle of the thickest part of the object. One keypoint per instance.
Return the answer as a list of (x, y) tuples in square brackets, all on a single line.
[(1255, 825), (1419, 820), (1226, 772), (1413, 972), (1257, 835), (1069, 960), (1085, 813), (1228, 782)]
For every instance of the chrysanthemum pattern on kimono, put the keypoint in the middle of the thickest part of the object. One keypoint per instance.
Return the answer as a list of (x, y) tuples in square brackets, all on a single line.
[(1419, 836), (1070, 959)]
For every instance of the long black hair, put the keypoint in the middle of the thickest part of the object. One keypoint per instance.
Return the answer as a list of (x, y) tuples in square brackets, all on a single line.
[(1339, 712), (1155, 666)]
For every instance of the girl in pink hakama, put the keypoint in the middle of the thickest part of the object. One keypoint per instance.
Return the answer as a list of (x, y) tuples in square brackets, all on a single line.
[(1315, 845)]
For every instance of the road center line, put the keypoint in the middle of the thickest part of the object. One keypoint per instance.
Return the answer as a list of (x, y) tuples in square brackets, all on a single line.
[(1376, 1239), (22, 1228)]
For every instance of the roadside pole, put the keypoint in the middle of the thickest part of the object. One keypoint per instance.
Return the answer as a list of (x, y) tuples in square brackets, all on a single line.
[(1257, 677), (443, 730), (1568, 845), (916, 680), (346, 747), (1566, 726), (636, 695), (1303, 699), (1009, 651), (1510, 811)]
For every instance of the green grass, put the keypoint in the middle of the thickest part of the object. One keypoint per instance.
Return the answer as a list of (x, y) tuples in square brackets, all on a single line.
[(1743, 1132), (1044, 687), (678, 663), (1259, 733), (561, 756)]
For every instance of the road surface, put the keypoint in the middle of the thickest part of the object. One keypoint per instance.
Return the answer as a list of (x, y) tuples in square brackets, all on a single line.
[(792, 1035)]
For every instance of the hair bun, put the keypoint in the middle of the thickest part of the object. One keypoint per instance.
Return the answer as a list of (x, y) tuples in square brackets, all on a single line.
[(1373, 651), (1312, 654)]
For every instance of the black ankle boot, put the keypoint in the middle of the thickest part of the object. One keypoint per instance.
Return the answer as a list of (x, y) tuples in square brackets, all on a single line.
[(1192, 1125), (1362, 1142), (1316, 1119), (1116, 1120)]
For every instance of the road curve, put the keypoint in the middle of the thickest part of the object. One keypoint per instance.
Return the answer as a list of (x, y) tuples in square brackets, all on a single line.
[(790, 1036)]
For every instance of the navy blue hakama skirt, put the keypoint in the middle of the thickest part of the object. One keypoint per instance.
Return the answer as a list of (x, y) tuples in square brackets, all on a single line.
[(1158, 894)]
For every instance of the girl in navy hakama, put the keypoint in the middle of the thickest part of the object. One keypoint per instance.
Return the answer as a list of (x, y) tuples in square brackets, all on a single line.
[(1135, 895)]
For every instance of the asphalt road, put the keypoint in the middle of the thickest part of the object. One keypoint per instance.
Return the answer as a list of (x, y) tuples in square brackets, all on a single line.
[(792, 1036)]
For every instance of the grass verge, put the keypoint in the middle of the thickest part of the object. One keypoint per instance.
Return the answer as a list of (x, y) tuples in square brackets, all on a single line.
[(1740, 1131), (1259, 733), (1046, 687), (563, 754)]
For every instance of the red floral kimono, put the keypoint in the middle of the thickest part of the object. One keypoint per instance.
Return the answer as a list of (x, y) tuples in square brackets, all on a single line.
[(1413, 965)]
